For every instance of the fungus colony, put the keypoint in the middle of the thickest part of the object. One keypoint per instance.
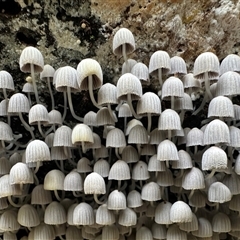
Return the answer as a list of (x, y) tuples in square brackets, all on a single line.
[(129, 170)]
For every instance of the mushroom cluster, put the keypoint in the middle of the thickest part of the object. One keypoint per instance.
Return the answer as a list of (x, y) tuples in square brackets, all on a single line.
[(133, 169)]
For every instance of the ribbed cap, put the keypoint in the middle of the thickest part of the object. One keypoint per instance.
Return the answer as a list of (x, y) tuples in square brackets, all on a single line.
[(94, 184), (6, 80), (31, 55), (123, 36)]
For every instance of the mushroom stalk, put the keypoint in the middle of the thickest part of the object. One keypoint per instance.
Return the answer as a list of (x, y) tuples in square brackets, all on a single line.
[(50, 92), (71, 105), (34, 83), (90, 87)]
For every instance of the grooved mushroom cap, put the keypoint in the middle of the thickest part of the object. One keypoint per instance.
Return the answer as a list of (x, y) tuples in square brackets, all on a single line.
[(159, 60), (155, 165), (127, 68), (110, 232), (190, 226), (54, 180), (63, 137), (44, 231), (115, 138), (129, 84), (151, 192), (8, 221), (86, 68), (162, 213), (138, 135), (123, 36), (180, 212), (174, 232), (173, 86), (221, 223), (90, 119), (5, 165), (178, 65), (218, 192), (36, 151), (73, 182), (190, 82), (167, 150), (5, 132), (94, 184), (221, 106), (140, 70), (130, 154), (6, 80), (230, 63), (55, 214), (159, 231), (165, 179), (140, 171), (31, 55), (184, 103), (28, 88), (194, 137), (103, 117), (40, 196), (119, 171), (20, 174), (116, 200), (124, 111), (216, 132), (206, 62), (4, 107), (144, 233), (228, 84), (169, 120), (107, 94), (28, 216), (84, 165), (134, 199), (82, 133), (66, 77), (185, 161), (55, 117), (234, 137), (102, 167), (204, 228), (104, 216), (83, 214), (149, 103), (214, 158), (127, 217), (48, 72), (38, 113), (193, 179)]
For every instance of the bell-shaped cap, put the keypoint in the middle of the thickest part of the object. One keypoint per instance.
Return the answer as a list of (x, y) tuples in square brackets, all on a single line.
[(206, 62), (129, 84), (83, 214), (31, 55), (123, 37), (180, 212), (159, 60), (94, 184), (89, 68)]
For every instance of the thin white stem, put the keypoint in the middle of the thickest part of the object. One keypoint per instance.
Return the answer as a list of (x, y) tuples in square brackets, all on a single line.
[(65, 106), (26, 126), (149, 122), (50, 92), (34, 83), (129, 101), (71, 105), (160, 77), (90, 88)]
